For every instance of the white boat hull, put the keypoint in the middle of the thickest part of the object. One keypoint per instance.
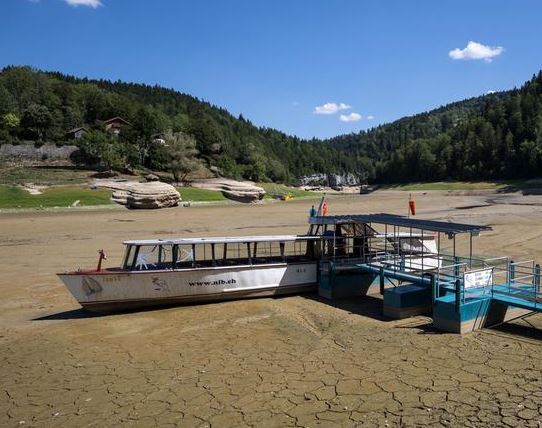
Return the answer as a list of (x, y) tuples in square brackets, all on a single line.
[(115, 290)]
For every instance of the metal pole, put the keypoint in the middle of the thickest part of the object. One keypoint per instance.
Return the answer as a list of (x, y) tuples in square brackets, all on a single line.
[(423, 248), (334, 240), (458, 297), (454, 246), (213, 253), (364, 242), (470, 251), (410, 245), (398, 246), (433, 287), (386, 241), (193, 255), (511, 274), (536, 283), (382, 280)]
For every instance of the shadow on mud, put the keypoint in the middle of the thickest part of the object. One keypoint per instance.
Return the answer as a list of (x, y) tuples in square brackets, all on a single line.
[(70, 315), (81, 313), (521, 327), (367, 306)]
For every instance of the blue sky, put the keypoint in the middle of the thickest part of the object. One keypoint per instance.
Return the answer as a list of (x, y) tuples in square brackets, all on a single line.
[(276, 61)]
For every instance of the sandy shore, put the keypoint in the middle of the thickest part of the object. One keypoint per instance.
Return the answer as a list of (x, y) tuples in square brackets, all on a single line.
[(266, 362)]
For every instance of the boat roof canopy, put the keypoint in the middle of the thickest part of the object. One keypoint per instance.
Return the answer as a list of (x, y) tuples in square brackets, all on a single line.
[(402, 221), (223, 240)]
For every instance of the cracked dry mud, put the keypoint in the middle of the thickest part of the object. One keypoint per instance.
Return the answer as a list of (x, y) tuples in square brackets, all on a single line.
[(294, 361)]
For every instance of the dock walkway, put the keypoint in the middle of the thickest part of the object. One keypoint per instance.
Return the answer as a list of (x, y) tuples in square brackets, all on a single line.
[(461, 295)]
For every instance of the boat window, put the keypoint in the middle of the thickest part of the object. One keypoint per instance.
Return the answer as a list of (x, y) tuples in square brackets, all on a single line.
[(150, 257), (200, 255), (185, 256), (127, 263)]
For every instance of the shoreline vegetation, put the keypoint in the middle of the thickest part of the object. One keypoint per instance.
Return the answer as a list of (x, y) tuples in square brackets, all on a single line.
[(15, 198)]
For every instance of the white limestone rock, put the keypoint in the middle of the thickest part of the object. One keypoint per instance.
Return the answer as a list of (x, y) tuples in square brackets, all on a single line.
[(241, 191), (150, 195)]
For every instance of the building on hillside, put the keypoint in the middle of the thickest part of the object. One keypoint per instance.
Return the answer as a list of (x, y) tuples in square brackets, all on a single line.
[(159, 139), (115, 124), (76, 133)]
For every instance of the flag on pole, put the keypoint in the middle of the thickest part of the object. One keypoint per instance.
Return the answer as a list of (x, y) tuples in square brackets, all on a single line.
[(321, 205), (411, 205)]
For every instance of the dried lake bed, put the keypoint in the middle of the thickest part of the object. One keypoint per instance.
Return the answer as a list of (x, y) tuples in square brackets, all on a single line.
[(292, 361)]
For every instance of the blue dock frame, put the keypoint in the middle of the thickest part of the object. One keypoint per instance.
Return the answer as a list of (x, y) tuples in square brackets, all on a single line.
[(454, 307), (461, 293)]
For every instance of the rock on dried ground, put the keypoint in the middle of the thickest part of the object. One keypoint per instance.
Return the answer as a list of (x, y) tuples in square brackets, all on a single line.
[(241, 191), (154, 194)]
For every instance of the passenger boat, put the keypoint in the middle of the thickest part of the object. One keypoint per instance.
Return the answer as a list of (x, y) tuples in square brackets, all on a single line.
[(166, 272), (170, 271)]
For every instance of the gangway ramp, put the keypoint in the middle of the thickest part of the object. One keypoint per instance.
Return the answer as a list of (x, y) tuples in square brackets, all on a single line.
[(522, 286), (520, 300), (392, 273)]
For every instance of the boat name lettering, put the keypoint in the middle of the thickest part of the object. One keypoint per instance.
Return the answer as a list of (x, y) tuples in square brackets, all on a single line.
[(217, 282)]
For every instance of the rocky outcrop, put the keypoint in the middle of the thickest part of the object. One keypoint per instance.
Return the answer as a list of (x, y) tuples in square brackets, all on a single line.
[(342, 180), (332, 180), (142, 195), (241, 191), (314, 180)]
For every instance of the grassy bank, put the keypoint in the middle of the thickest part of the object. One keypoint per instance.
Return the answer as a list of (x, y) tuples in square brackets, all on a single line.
[(204, 195), (15, 197), (274, 188), (65, 196), (44, 175), (200, 195)]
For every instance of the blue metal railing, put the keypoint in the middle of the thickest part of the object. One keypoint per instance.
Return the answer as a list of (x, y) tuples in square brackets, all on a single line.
[(499, 278), (522, 286)]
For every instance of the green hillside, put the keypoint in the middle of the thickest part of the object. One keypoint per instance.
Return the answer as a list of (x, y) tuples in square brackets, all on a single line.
[(40, 106), (492, 137)]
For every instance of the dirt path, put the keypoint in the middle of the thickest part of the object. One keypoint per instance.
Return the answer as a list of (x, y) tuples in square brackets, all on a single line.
[(267, 362)]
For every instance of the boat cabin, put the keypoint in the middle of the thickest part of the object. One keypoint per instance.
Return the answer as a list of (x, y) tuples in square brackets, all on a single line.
[(411, 244), (144, 255)]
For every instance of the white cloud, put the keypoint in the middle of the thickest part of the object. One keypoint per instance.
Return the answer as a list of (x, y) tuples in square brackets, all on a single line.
[(352, 117), (370, 117), (475, 50), (330, 108), (490, 92), (90, 3)]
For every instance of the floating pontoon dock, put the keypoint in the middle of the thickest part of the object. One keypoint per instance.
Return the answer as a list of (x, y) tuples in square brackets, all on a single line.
[(423, 266)]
